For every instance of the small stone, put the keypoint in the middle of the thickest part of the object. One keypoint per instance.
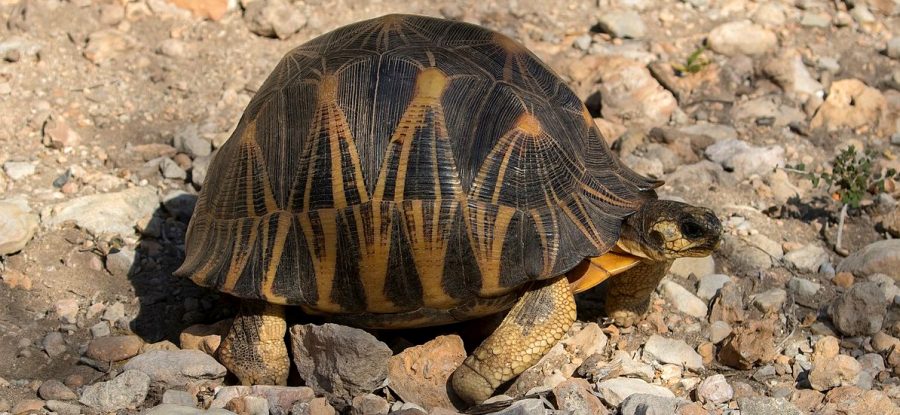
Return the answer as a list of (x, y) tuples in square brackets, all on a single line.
[(63, 408), (765, 373), (523, 407), (622, 24), (104, 45), (882, 257), (764, 406), (339, 361), (893, 48), (177, 367), (114, 312), (683, 300), (860, 310), (813, 19), (741, 38), (171, 170), (420, 374), (715, 389), (883, 342), (111, 14), (648, 404), (574, 396), (173, 48), (54, 344), (629, 91), (789, 72), (101, 329), (862, 15), (370, 404), (273, 18), (843, 279), (718, 331), (55, 390), (751, 343), (208, 9), (770, 301), (120, 261), (710, 285), (128, 390), (807, 259), (769, 14), (728, 305), (188, 141), (837, 371), (804, 290), (114, 348), (807, 400), (699, 267), (17, 225), (112, 213), (672, 351), (204, 337), (177, 397), (28, 406), (58, 134), (18, 170), (280, 398), (745, 160), (198, 170), (614, 391), (67, 310)]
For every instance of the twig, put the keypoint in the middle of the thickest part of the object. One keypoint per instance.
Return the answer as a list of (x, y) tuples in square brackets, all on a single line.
[(840, 232)]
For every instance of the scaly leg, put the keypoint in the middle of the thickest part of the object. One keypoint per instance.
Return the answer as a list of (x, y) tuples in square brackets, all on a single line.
[(254, 349), (534, 325), (628, 294)]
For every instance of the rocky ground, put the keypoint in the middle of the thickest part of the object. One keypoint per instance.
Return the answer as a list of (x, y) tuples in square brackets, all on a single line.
[(111, 111)]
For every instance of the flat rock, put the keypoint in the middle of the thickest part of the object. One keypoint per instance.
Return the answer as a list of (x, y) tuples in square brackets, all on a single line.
[(63, 407), (177, 397), (338, 361), (673, 351), (114, 348), (745, 160), (420, 374), (128, 390), (850, 104), (710, 285), (614, 391), (173, 409), (770, 301), (177, 367), (683, 300), (574, 396), (17, 225), (882, 257), (853, 400), (860, 310), (55, 390), (699, 267), (762, 405), (741, 37), (525, 407), (807, 259), (279, 398), (622, 24), (18, 170), (114, 213)]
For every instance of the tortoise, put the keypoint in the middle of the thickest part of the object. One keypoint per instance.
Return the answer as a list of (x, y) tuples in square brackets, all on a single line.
[(409, 171)]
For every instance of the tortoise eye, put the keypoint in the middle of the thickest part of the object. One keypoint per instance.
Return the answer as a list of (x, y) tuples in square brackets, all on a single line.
[(691, 229)]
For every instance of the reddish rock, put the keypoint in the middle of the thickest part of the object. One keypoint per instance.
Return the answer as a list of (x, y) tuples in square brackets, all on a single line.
[(751, 343), (729, 305), (370, 404), (205, 9), (807, 400), (15, 279), (574, 396), (28, 406), (853, 400), (114, 348), (692, 408), (320, 406), (56, 390), (843, 279), (419, 374), (58, 134), (841, 370)]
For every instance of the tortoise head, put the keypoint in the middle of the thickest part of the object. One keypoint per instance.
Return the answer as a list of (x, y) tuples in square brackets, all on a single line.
[(666, 229)]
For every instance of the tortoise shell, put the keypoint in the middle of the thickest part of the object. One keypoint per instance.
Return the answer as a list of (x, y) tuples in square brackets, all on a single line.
[(402, 163)]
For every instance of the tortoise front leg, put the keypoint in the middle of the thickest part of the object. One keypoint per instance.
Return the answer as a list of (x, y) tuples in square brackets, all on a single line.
[(628, 293), (254, 349), (534, 325)]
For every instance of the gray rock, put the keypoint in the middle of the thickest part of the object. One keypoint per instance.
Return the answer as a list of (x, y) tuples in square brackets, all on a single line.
[(871, 364), (63, 408), (582, 42), (199, 169), (745, 160), (645, 166), (718, 331), (791, 74), (338, 361), (54, 344), (188, 141), (882, 257), (862, 15), (717, 132), (273, 18), (815, 19), (622, 24), (710, 285), (173, 409), (18, 170), (648, 404), (177, 367), (807, 259), (715, 389), (17, 225), (893, 48), (860, 310), (101, 329), (128, 390), (171, 170), (673, 351), (769, 14), (683, 300), (804, 290), (614, 391), (119, 262), (114, 213), (742, 37), (767, 107), (699, 267), (178, 397), (887, 285), (744, 253), (55, 390), (761, 405), (280, 398), (525, 407), (632, 368), (770, 301)]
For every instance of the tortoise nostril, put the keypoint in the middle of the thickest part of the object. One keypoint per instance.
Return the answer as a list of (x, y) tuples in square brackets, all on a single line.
[(691, 229)]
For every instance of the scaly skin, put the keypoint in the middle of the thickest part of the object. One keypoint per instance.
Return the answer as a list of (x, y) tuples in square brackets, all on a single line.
[(254, 349), (533, 326), (628, 294)]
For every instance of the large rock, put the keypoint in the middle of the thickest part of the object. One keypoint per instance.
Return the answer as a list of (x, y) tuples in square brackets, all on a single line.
[(742, 37), (338, 361), (673, 351), (807, 259), (683, 300), (114, 348), (115, 213), (860, 311), (745, 160), (629, 92), (128, 390), (614, 391), (752, 343), (851, 104), (882, 257), (17, 225), (419, 374), (177, 367)]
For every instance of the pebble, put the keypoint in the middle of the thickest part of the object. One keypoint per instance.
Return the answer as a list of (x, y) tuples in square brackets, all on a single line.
[(174, 48), (58, 134), (420, 374), (843, 279), (862, 15), (752, 342), (883, 342), (66, 310), (188, 140), (881, 257), (120, 261), (104, 45), (622, 24), (273, 18), (860, 310), (770, 301), (18, 170), (850, 104), (814, 19), (648, 404), (614, 391), (763, 405), (114, 348), (524, 407), (804, 290), (769, 14), (127, 390), (198, 170), (207, 9), (673, 351), (111, 14), (715, 389), (54, 344), (171, 170), (728, 305), (741, 37), (370, 404), (113, 213), (177, 367), (683, 300), (280, 398), (55, 390), (710, 285), (807, 259), (338, 361), (718, 331), (574, 396)]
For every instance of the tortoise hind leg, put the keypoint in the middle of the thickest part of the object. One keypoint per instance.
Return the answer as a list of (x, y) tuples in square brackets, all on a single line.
[(534, 325), (628, 294), (254, 349)]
